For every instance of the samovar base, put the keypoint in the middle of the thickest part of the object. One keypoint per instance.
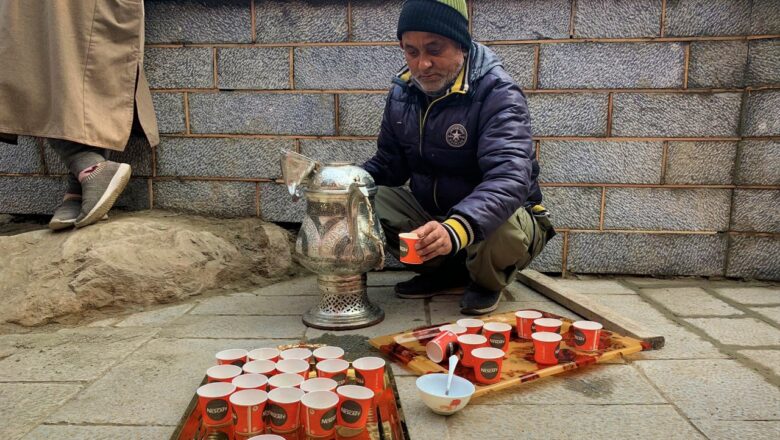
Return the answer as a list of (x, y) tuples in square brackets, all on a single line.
[(344, 304)]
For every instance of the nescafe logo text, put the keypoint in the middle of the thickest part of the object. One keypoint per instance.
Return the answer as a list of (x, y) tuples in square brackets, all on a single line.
[(404, 248), (579, 338), (489, 369), (351, 411), (277, 414), (328, 420), (497, 340), (217, 409)]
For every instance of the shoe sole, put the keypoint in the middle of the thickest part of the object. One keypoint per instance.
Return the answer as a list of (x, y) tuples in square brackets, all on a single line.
[(453, 291), (107, 200), (477, 312), (58, 225)]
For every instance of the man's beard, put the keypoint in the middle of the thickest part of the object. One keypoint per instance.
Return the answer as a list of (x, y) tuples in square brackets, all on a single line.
[(445, 84)]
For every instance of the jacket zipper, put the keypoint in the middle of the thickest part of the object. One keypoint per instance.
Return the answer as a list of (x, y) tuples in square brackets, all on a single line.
[(435, 186), (423, 119)]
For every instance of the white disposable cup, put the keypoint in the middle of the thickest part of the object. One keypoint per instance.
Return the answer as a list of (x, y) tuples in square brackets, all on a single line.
[(547, 323), (332, 365), (264, 354), (497, 326), (328, 352), (216, 389), (248, 397), (455, 328), (223, 373), (296, 353), (231, 355), (267, 437), (285, 380), (470, 323), (355, 392), (265, 367), (251, 382), (487, 353), (297, 366), (319, 384)]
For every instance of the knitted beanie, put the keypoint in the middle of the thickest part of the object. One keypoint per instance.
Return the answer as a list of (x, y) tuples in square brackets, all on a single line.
[(449, 18)]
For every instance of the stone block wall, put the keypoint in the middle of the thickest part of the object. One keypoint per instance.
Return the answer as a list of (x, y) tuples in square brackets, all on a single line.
[(656, 121)]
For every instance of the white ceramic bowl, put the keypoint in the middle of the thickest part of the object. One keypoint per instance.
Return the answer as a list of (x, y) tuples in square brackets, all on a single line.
[(432, 387)]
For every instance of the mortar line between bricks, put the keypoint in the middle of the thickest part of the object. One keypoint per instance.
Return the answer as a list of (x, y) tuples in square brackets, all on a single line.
[(150, 191), (609, 114), (529, 91), (663, 18), (252, 21), (257, 199), (603, 207), (87, 424), (349, 20), (572, 15), (565, 255), (686, 64), (664, 160), (470, 6), (535, 79), (292, 68), (187, 112), (215, 68), (336, 114), (39, 142)]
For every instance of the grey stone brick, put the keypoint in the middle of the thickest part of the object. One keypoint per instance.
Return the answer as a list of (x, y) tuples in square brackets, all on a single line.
[(611, 65), (675, 115), (647, 254), (375, 20), (706, 18), (222, 199), (284, 21), (764, 65), (137, 153), (179, 67), (276, 204), (574, 208), (700, 163), (264, 113), (25, 405), (760, 117), (213, 157), (361, 115), (765, 19), (196, 21), (600, 162), (30, 195), (759, 163), (532, 19), (563, 114), (518, 62), (169, 108), (253, 68), (135, 197), (754, 257), (355, 152), (44, 432), (717, 64), (551, 258), (347, 67), (617, 18), (756, 210), (23, 158), (667, 209)]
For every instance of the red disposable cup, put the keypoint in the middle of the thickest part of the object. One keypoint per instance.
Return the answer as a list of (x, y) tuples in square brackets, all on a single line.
[(455, 328), (354, 403), (487, 364), (297, 366), (408, 250), (319, 413), (442, 346), (335, 369), (234, 356), (284, 406), (550, 325), (498, 334), (248, 407), (296, 353), (472, 325), (223, 373), (214, 403), (370, 373), (264, 354), (546, 347), (264, 367), (328, 352), (251, 382), (319, 384), (524, 321), (586, 335), (468, 343), (267, 437), (285, 380)]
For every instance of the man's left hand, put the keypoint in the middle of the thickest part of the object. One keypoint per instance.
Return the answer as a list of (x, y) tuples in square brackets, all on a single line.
[(434, 241)]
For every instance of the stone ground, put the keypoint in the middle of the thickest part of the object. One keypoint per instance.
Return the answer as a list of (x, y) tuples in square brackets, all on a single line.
[(132, 376)]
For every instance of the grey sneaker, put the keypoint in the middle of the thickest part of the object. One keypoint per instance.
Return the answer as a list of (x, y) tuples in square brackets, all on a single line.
[(100, 189), (65, 215)]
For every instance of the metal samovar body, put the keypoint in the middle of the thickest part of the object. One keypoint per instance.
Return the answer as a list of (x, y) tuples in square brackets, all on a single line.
[(340, 239)]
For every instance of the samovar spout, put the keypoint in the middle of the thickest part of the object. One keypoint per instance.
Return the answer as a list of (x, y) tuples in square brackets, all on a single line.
[(296, 169)]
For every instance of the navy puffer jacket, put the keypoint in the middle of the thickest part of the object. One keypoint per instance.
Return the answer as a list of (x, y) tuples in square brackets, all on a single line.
[(473, 158)]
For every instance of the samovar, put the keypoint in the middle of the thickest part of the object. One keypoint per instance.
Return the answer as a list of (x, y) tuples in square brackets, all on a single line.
[(340, 239)]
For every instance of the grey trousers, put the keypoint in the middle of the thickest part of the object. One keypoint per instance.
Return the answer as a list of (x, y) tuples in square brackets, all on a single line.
[(492, 263), (77, 157)]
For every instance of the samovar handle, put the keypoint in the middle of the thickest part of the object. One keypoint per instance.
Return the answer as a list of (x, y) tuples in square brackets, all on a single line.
[(359, 193)]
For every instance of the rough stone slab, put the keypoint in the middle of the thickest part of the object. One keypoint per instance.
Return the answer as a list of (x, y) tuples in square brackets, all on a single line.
[(185, 21), (754, 257), (263, 113), (738, 331), (575, 207), (256, 305), (765, 19), (23, 158), (213, 157), (135, 197), (236, 327), (720, 389), (551, 258), (600, 162), (223, 199), (138, 154), (518, 62), (533, 19), (611, 65), (420, 420), (753, 296), (276, 204), (756, 210), (356, 152), (375, 20), (24, 405), (45, 432), (283, 21), (154, 318), (717, 64), (361, 115), (764, 65), (336, 67), (690, 301), (547, 423), (722, 430), (263, 68), (675, 115), (648, 254), (704, 18), (179, 67), (759, 163), (169, 108), (617, 19), (31, 195), (703, 163), (761, 114), (69, 355), (596, 287), (561, 114), (769, 359), (772, 313), (667, 209)]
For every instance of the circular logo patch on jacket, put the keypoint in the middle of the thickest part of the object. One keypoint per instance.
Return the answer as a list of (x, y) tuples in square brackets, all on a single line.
[(457, 135)]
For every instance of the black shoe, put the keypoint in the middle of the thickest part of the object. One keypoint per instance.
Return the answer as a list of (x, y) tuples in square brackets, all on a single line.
[(477, 300), (432, 284)]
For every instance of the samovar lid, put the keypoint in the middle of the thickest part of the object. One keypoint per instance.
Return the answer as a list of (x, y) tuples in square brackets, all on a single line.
[(336, 177)]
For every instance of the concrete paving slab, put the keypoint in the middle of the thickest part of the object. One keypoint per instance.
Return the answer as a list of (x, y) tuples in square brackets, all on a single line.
[(769, 359), (155, 318), (256, 305), (421, 421), (24, 405), (263, 327), (752, 295), (69, 355), (306, 285), (388, 277), (651, 282), (48, 432), (773, 313), (721, 389), (635, 308), (596, 287), (521, 292), (730, 430), (690, 301), (738, 331)]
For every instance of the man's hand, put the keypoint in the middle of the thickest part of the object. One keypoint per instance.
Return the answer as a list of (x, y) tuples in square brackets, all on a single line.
[(434, 240)]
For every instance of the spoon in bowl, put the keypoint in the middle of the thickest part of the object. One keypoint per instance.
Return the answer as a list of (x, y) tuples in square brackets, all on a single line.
[(450, 373)]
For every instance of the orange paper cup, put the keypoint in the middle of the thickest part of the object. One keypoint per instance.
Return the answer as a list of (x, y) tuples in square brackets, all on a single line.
[(442, 346), (335, 369), (264, 354), (487, 364), (408, 251), (251, 382), (546, 347), (468, 343), (472, 325), (214, 404), (328, 352), (551, 325), (586, 335), (248, 407), (267, 437), (264, 367), (455, 328), (285, 380), (370, 373), (319, 413), (223, 373), (354, 403), (297, 366), (234, 356), (498, 334), (296, 353), (524, 319), (284, 406), (319, 384)]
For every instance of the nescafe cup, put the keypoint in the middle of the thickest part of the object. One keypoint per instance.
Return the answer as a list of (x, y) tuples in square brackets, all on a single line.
[(370, 373), (264, 354), (442, 346), (455, 328), (264, 367), (472, 325), (328, 352), (468, 343), (319, 413), (284, 409), (550, 325), (319, 384), (586, 335), (251, 382), (409, 255), (524, 321), (267, 437), (335, 369), (296, 353), (297, 366), (248, 407), (498, 334), (354, 403), (285, 380), (487, 364), (234, 356), (214, 403), (546, 347), (223, 373)]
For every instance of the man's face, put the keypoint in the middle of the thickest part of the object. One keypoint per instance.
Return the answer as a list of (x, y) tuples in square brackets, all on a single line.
[(434, 60)]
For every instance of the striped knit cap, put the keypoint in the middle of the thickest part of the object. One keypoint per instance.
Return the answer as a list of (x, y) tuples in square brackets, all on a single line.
[(449, 18)]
